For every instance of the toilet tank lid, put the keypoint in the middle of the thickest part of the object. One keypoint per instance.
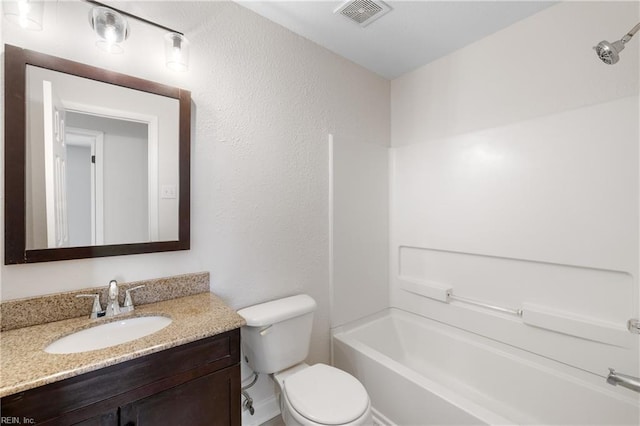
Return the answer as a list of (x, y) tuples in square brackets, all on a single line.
[(278, 310)]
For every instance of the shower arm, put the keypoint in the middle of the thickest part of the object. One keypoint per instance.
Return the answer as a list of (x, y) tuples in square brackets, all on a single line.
[(631, 33)]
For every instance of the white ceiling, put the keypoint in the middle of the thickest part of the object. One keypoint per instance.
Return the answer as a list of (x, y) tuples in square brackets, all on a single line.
[(414, 33)]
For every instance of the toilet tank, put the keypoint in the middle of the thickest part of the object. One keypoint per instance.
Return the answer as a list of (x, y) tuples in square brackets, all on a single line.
[(277, 333)]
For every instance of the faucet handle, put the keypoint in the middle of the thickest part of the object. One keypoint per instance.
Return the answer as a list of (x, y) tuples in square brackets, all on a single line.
[(96, 309), (128, 303)]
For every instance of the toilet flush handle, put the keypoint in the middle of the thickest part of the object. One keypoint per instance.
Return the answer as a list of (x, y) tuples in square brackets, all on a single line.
[(265, 330)]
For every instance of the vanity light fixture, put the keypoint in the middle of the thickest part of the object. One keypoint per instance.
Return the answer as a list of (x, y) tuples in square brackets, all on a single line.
[(112, 29), (26, 13), (176, 49)]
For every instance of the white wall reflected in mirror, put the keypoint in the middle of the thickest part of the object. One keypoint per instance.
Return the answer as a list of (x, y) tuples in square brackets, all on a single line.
[(97, 156)]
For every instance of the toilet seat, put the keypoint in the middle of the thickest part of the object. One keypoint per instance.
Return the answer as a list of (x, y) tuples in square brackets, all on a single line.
[(326, 395)]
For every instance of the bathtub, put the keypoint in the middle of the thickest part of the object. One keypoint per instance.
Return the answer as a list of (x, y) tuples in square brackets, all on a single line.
[(422, 372)]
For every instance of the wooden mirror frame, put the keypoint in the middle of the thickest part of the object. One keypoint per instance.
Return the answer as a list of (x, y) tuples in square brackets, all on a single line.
[(16, 61)]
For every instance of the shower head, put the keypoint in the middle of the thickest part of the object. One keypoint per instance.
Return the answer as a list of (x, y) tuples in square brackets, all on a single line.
[(609, 53)]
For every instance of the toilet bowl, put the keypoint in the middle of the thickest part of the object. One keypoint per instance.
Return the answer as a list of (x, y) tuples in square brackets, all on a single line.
[(322, 395), (275, 341)]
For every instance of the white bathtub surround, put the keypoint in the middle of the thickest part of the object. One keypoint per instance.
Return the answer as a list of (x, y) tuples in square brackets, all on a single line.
[(514, 182), (541, 215), (420, 371)]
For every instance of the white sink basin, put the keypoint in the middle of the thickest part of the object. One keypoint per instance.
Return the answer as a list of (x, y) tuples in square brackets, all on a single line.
[(109, 334)]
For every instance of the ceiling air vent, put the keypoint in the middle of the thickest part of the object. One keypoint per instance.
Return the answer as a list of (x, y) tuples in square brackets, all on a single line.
[(362, 12)]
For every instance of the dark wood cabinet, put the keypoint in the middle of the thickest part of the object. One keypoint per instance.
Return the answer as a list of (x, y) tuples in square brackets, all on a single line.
[(194, 384), (203, 401)]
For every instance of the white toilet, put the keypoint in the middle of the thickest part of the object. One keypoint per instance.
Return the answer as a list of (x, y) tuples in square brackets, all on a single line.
[(276, 341)]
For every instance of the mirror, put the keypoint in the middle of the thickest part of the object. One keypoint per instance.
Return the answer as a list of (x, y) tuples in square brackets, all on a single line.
[(96, 162)]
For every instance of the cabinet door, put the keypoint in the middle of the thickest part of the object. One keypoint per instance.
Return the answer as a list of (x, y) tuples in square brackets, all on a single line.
[(209, 400)]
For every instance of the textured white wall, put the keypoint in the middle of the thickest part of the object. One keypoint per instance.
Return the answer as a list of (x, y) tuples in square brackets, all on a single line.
[(264, 101)]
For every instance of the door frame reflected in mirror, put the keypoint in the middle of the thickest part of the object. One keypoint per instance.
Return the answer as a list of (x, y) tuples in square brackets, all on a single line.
[(16, 61)]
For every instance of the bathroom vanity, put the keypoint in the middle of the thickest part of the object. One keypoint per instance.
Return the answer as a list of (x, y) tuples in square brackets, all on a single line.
[(193, 384), (187, 373)]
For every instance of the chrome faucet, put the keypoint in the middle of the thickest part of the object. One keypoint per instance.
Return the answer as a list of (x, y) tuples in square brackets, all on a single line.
[(113, 308)]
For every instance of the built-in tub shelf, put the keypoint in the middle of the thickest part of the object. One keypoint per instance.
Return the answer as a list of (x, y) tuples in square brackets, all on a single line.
[(531, 314)]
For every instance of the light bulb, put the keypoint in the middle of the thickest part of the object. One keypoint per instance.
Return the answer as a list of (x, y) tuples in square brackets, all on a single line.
[(110, 34), (23, 9), (110, 27), (176, 52), (25, 13)]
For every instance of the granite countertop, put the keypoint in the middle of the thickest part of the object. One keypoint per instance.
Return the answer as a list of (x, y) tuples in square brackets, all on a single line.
[(25, 365)]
